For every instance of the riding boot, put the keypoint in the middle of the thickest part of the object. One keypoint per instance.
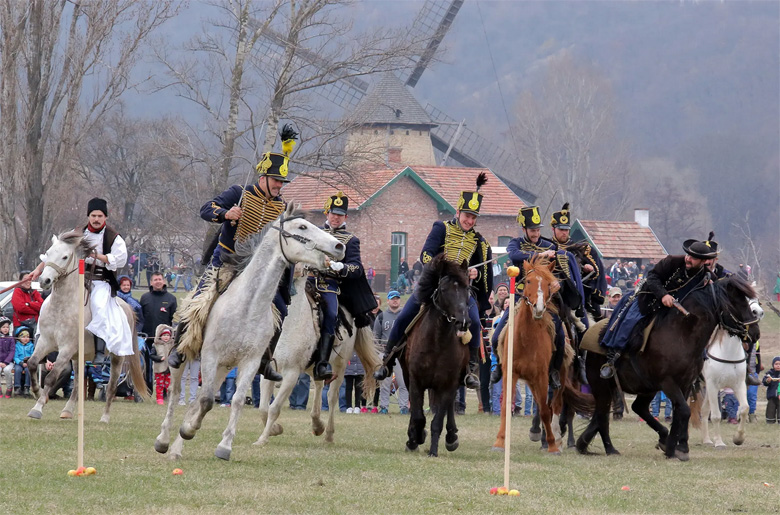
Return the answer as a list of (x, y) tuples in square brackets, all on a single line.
[(581, 369), (386, 371), (91, 387), (175, 359), (472, 377), (497, 373), (555, 379), (322, 370), (608, 369), (752, 379), (266, 368)]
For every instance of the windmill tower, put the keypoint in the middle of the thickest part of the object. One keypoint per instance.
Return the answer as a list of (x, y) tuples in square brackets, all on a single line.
[(458, 144)]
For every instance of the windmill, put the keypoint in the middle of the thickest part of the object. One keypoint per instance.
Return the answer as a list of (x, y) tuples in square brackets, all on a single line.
[(450, 137)]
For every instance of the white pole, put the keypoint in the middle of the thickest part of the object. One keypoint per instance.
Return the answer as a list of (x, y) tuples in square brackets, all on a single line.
[(82, 372), (509, 382)]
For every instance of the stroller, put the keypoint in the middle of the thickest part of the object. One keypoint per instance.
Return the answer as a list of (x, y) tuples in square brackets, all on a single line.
[(100, 373)]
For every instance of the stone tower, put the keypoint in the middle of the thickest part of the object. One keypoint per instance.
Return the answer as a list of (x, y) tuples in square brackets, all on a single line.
[(391, 128)]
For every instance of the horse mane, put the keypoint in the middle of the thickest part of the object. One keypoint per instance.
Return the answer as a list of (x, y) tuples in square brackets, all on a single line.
[(541, 266), (740, 284), (240, 259), (76, 237), (433, 272)]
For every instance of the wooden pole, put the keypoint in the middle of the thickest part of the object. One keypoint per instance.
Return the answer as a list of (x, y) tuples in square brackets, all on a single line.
[(82, 371), (509, 375)]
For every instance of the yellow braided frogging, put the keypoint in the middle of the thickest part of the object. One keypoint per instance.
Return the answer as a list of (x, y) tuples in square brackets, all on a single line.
[(257, 211), (458, 244)]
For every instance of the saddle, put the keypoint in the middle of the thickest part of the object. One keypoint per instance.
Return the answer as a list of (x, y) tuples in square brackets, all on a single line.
[(590, 341)]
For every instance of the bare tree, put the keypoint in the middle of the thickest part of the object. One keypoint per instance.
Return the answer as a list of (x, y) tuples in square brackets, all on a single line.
[(64, 66), (565, 134)]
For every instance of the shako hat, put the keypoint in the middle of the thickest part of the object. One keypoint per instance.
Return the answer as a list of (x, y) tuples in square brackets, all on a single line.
[(471, 201), (700, 249), (529, 217), (337, 204), (561, 219), (275, 165)]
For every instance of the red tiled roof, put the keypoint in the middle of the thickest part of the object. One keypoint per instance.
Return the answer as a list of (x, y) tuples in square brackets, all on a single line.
[(623, 239), (313, 191)]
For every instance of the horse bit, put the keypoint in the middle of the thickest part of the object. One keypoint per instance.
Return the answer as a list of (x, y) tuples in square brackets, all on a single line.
[(450, 318)]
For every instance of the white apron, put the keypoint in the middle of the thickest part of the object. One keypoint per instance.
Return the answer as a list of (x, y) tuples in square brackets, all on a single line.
[(109, 321)]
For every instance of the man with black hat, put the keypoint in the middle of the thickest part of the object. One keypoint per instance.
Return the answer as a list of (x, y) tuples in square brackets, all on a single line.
[(244, 211), (458, 240), (522, 249), (594, 280), (669, 281), (342, 277), (108, 323)]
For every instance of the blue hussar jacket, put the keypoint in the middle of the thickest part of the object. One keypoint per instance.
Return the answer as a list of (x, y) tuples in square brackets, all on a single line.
[(598, 281), (328, 281), (459, 245), (257, 212)]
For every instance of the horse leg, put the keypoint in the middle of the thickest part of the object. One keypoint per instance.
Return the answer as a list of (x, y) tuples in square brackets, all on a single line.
[(567, 425), (740, 391), (271, 427), (333, 403), (116, 368), (246, 373), (545, 412), (445, 401), (211, 375), (705, 417), (451, 440), (535, 433), (51, 379), (602, 394), (416, 431), (641, 406), (500, 442), (164, 438), (42, 348), (714, 405), (317, 427), (557, 409), (677, 441)]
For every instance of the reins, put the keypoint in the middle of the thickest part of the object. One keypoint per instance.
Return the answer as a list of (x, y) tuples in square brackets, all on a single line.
[(283, 234), (434, 300)]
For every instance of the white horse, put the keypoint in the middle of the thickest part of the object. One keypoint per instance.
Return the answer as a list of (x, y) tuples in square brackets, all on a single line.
[(297, 343), (241, 323), (58, 327), (725, 368)]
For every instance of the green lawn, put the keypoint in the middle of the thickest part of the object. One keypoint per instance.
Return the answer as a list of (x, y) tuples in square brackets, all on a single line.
[(366, 470)]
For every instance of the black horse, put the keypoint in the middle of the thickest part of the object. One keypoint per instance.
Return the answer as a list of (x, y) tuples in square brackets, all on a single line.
[(435, 357), (670, 362)]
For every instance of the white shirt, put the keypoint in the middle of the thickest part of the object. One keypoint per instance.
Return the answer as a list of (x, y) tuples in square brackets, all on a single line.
[(117, 258)]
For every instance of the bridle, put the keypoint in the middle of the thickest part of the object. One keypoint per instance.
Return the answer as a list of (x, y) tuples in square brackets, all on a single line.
[(61, 271), (284, 235), (525, 298), (729, 323), (449, 318)]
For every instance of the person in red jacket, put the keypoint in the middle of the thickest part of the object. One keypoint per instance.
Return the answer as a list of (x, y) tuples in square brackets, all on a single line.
[(26, 303)]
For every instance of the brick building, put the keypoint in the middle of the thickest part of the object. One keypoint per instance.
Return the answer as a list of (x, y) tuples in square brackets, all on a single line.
[(392, 210)]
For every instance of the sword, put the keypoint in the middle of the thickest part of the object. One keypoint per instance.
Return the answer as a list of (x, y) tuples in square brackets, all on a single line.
[(489, 260), (681, 308)]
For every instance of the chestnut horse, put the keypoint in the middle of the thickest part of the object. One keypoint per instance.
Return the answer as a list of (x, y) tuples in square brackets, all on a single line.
[(534, 333), (436, 357)]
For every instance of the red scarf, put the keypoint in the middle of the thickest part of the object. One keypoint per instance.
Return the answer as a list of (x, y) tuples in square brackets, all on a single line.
[(96, 230)]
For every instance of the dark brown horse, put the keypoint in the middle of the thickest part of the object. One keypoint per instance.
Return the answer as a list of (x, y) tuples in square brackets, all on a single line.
[(670, 362), (436, 357)]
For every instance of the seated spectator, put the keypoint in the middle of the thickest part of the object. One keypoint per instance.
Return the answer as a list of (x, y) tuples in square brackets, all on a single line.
[(730, 406), (23, 352), (65, 382), (27, 304), (7, 351), (125, 293)]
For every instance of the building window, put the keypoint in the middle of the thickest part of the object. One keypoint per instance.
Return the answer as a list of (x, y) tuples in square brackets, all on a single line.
[(397, 252), (503, 241), (392, 132)]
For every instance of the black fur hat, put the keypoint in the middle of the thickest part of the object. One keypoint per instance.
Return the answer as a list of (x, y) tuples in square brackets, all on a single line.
[(97, 204)]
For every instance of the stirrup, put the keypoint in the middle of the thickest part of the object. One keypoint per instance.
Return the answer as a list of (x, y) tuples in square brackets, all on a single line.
[(471, 381), (607, 370), (382, 373), (322, 371), (270, 374), (752, 380)]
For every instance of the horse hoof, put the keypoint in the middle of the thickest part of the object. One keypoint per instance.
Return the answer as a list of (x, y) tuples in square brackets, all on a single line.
[(661, 445), (66, 415), (720, 445), (554, 453), (497, 449), (186, 435), (535, 437), (451, 446), (738, 441), (36, 414), (412, 447), (222, 453), (613, 452), (707, 442), (277, 429), (160, 447), (105, 419), (682, 456), (432, 455), (318, 429)]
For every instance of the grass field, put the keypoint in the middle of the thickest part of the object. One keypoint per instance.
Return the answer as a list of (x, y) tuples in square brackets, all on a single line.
[(366, 470)]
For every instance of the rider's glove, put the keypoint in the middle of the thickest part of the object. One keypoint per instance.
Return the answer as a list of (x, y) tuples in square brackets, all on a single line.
[(336, 266)]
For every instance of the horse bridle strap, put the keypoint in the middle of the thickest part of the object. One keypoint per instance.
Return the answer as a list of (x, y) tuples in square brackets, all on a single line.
[(61, 271), (286, 234), (434, 299), (727, 361)]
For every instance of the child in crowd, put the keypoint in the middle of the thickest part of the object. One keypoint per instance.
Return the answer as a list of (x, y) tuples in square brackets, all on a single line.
[(353, 376), (159, 354), (24, 349), (7, 351), (730, 406), (772, 383)]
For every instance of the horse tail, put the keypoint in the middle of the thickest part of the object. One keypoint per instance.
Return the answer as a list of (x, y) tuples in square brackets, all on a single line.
[(694, 403), (136, 373), (369, 356), (583, 403)]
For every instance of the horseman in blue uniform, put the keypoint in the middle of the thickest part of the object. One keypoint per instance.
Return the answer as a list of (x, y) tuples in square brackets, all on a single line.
[(668, 282), (458, 241), (342, 280), (522, 249), (594, 280), (244, 211)]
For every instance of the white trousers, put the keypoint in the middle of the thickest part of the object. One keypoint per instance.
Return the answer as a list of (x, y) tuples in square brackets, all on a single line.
[(109, 321)]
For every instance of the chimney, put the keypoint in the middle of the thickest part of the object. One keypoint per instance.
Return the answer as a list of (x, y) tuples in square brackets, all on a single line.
[(642, 217), (394, 155)]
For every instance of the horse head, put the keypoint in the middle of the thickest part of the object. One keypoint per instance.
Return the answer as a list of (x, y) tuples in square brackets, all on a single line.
[(446, 285), (539, 284), (303, 242), (743, 311), (62, 258)]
